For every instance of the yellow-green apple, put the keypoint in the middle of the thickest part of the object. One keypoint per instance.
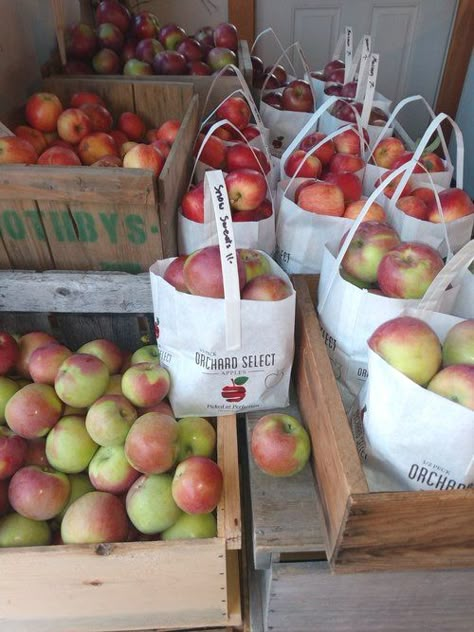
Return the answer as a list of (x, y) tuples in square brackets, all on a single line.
[(143, 156), (150, 504), (33, 136), (95, 517), (136, 68), (387, 152), (126, 147), (357, 282), (80, 485), (105, 350), (106, 62), (95, 146), (432, 162), (145, 383), (226, 36), (8, 388), (192, 526), (199, 68), (119, 137), (81, 41), (413, 206), (406, 157), (424, 193), (214, 152), (80, 98), (297, 97), (322, 198), (36, 452), (82, 378), (4, 505), (371, 241), (192, 204), (148, 353), (266, 287), (280, 445), (374, 214), (59, 156), (109, 419), (235, 110), (45, 361), (69, 447), (263, 211), (12, 453), (174, 274), (455, 382), (242, 156), (38, 493), (410, 346), (455, 204), (131, 125), (219, 57), (42, 111), (311, 165), (109, 36), (197, 437), (162, 146), (458, 346), (115, 385), (147, 48), (191, 49), (325, 152), (345, 163), (408, 270), (113, 12), (15, 530), (9, 352), (100, 118), (170, 62), (74, 123), (349, 183), (16, 150), (197, 485), (203, 272), (255, 263), (246, 189), (171, 35), (152, 444), (33, 410), (109, 470)]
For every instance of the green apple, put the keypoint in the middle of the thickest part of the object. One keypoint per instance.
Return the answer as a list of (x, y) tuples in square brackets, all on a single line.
[(196, 437), (149, 353), (192, 526), (81, 379), (15, 530), (455, 382), (150, 504), (7, 389), (109, 470), (69, 447), (109, 420), (458, 346), (363, 285)]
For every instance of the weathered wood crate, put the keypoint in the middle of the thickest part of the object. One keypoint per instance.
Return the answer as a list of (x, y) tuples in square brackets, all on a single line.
[(291, 583), (90, 218), (124, 586)]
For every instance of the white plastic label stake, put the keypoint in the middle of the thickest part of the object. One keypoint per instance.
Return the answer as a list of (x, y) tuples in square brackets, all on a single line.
[(215, 190), (369, 94), (338, 48), (348, 54), (362, 75)]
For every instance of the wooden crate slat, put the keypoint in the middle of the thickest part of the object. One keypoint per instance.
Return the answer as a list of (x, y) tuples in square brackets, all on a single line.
[(156, 102), (22, 323), (228, 513)]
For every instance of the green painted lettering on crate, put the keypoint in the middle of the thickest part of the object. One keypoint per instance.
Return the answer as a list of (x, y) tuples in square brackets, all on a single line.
[(34, 217), (63, 226), (109, 222), (13, 225), (121, 266), (136, 230), (85, 226)]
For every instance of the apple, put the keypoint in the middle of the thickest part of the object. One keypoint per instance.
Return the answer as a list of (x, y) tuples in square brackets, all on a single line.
[(162, 146), (45, 362), (322, 198), (432, 162), (413, 206), (458, 346), (220, 57), (236, 110), (387, 152), (145, 383), (410, 346), (113, 12), (348, 142), (263, 211), (81, 98), (9, 352), (331, 66), (363, 285), (93, 518), (300, 187), (4, 505), (266, 287), (192, 526), (214, 152), (95, 146), (8, 388), (150, 504), (82, 378), (36, 453), (132, 126), (332, 88), (336, 76), (148, 353), (267, 81), (199, 68), (114, 386), (455, 382), (191, 49), (109, 470), (57, 156), (69, 447), (197, 485), (80, 485), (171, 36), (408, 270), (324, 153), (192, 207), (170, 62), (12, 453), (255, 263), (424, 193), (257, 65), (349, 183), (280, 73), (143, 156), (347, 163), (106, 62), (109, 420), (250, 132), (226, 36), (392, 186), (100, 118), (33, 136), (73, 124), (375, 213), (349, 89), (246, 189), (81, 41), (346, 111), (196, 437), (38, 494), (110, 36), (406, 157), (203, 272), (33, 410), (455, 203), (15, 150), (371, 241), (174, 274), (205, 36), (311, 165), (151, 446), (16, 530), (126, 147), (136, 68), (168, 131), (162, 407), (297, 97)]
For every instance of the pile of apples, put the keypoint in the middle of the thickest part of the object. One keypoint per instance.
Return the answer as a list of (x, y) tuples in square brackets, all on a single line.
[(412, 347), (378, 261), (136, 45), (85, 134), (200, 274), (91, 451)]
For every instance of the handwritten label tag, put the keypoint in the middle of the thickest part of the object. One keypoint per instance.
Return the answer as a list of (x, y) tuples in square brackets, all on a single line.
[(369, 94), (348, 54), (362, 74)]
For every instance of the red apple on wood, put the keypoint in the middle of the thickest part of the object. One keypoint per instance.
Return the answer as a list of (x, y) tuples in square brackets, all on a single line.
[(170, 62), (106, 62), (57, 156), (80, 40), (143, 156), (191, 49), (99, 116), (95, 146), (226, 36)]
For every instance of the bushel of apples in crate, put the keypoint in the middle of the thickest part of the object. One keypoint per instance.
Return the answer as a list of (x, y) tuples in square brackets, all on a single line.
[(371, 275), (414, 421), (225, 319)]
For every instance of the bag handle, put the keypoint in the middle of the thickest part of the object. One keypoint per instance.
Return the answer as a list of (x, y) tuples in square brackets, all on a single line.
[(215, 193), (304, 63), (270, 31), (365, 49), (363, 212), (348, 36)]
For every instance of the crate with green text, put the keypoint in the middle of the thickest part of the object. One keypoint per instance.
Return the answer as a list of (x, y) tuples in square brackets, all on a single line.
[(96, 218)]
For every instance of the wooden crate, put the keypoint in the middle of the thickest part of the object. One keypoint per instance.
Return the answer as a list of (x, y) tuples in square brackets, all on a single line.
[(124, 586), (367, 530), (89, 218)]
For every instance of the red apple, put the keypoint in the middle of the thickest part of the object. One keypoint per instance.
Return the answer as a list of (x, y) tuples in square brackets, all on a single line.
[(349, 90), (146, 49), (197, 485), (110, 36), (349, 183), (106, 62), (136, 68), (332, 65), (170, 62), (59, 156), (192, 205), (387, 152), (81, 41), (45, 362), (250, 132), (100, 118), (374, 214), (191, 49), (143, 156), (146, 25), (174, 274), (242, 156), (300, 187), (266, 287), (38, 494), (236, 110), (455, 203), (95, 517), (408, 270), (80, 98), (199, 68), (333, 88), (9, 352), (424, 193), (337, 75), (405, 157), (33, 136), (33, 410), (12, 453), (219, 58), (322, 198), (225, 132), (432, 163), (171, 36), (74, 123), (119, 137), (311, 165), (15, 150), (105, 350), (345, 163), (279, 72), (168, 131), (132, 126), (246, 189), (226, 36), (95, 146), (392, 186), (274, 99), (152, 444), (324, 153), (26, 345), (203, 273), (161, 146), (297, 97), (113, 12), (348, 142), (42, 111), (413, 206)]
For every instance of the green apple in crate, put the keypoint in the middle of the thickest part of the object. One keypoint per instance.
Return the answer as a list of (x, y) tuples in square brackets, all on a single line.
[(16, 530)]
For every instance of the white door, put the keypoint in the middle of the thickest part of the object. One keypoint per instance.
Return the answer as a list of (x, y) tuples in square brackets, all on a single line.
[(411, 37)]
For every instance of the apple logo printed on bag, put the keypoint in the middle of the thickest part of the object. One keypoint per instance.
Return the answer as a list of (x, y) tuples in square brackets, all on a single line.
[(235, 392), (272, 379)]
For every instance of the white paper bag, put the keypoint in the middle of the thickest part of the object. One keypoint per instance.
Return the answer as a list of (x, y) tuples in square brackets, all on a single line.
[(464, 303), (224, 355)]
